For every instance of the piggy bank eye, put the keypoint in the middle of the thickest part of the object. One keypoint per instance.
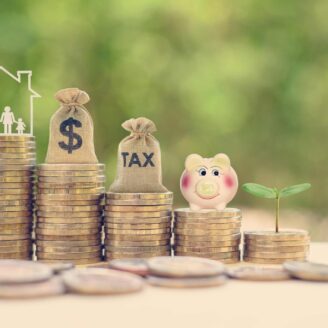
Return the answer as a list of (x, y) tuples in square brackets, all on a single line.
[(215, 172), (202, 171)]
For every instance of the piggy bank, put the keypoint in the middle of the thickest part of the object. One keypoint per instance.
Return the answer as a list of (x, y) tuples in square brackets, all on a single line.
[(208, 183)]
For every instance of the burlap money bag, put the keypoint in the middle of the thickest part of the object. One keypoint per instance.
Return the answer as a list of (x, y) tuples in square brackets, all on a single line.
[(139, 166), (71, 130)]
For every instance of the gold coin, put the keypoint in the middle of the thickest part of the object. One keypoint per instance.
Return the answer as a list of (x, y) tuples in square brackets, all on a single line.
[(69, 243), (15, 249), (137, 226), (74, 238), (137, 232), (17, 144), (120, 255), (208, 221), (60, 208), (203, 232), (17, 137), (138, 202), (122, 243), (6, 209), (217, 256), (165, 219), (26, 161), (284, 235), (15, 243), (211, 256), (60, 267), (23, 202), (154, 208), (67, 256), (68, 249), (19, 156), (68, 180), (274, 255), (63, 232), (93, 225), (22, 236), (258, 274), (217, 238), (16, 255), (136, 266), (271, 261), (137, 215), (69, 174), (161, 236), (131, 196), (14, 226), (19, 179), (17, 185), (7, 192), (307, 270), (278, 249), (207, 244), (230, 261), (138, 249), (184, 267), (68, 191), (15, 167), (67, 203), (27, 196), (71, 167), (211, 227), (59, 220), (69, 185), (51, 214), (17, 150), (206, 249), (187, 282), (92, 260), (208, 213), (273, 243), (26, 174), (15, 231), (58, 197)]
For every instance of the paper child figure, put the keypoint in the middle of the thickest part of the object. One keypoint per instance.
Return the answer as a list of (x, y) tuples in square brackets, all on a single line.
[(20, 126), (8, 119)]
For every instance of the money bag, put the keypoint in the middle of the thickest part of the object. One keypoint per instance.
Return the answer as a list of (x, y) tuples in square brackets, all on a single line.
[(71, 130), (139, 166)]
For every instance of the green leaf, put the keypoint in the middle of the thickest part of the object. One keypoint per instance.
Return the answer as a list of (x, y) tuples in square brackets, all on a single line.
[(293, 190), (259, 190)]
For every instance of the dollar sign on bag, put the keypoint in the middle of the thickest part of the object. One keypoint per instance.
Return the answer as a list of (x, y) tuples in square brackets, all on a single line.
[(66, 129)]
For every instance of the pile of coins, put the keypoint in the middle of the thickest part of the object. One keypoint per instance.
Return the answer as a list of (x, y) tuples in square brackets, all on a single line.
[(268, 247), (17, 171), (69, 212), (138, 224), (208, 233)]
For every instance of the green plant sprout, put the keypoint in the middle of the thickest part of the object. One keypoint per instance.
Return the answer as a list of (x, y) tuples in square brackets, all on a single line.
[(266, 192)]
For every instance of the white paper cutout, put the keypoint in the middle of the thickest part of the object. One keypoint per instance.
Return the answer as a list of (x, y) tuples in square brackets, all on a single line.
[(7, 118)]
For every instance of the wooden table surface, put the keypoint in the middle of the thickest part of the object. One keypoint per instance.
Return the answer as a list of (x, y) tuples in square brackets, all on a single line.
[(237, 304)]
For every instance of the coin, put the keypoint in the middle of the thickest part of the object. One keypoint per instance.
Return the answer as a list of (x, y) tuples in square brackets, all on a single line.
[(16, 209), (206, 249), (16, 256), (22, 236), (69, 185), (19, 192), (14, 156), (59, 267), (146, 196), (68, 249), (16, 249), (17, 161), (69, 174), (139, 202), (68, 179), (17, 144), (221, 226), (58, 197), (307, 270), (211, 255), (19, 179), (161, 236), (86, 261), (18, 137), (96, 281), (71, 167), (281, 249), (120, 255), (274, 255), (284, 235), (138, 249), (15, 221), (272, 261), (23, 202), (184, 267), (67, 209), (126, 232), (67, 256), (269, 243), (51, 214), (208, 213), (258, 274), (27, 196), (14, 226), (71, 191), (93, 225), (67, 220), (68, 243), (207, 221), (187, 282), (128, 243), (207, 244), (136, 266), (16, 272), (137, 215), (137, 208), (204, 232), (74, 203), (15, 243), (129, 226), (65, 232), (91, 236), (5, 174), (235, 236), (17, 150), (137, 221), (14, 167), (14, 231)]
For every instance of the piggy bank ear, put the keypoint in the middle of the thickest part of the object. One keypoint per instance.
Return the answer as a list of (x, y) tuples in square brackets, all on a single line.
[(193, 161), (222, 161)]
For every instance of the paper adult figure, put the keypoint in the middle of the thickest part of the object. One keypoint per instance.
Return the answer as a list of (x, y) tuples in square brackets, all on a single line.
[(7, 119), (20, 126)]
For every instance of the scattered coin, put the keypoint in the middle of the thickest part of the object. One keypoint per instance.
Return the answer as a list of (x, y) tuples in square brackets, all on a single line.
[(258, 274), (59, 267), (137, 266), (307, 270)]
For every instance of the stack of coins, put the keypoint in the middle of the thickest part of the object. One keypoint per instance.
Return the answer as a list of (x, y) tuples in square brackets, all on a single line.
[(138, 224), (69, 212), (17, 171), (268, 247), (208, 233)]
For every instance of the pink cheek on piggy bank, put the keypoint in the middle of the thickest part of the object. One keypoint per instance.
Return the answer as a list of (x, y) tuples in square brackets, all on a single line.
[(228, 181), (185, 183)]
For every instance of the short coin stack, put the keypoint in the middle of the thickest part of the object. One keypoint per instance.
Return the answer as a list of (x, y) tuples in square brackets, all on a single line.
[(138, 224), (268, 247), (208, 233), (69, 212), (17, 165)]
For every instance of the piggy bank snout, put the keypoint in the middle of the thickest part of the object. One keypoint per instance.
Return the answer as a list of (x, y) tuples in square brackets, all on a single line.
[(207, 188)]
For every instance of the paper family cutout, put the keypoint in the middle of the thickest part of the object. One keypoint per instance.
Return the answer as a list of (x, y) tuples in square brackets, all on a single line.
[(8, 119)]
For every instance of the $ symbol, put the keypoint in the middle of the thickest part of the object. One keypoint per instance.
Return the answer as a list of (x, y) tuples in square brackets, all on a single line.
[(66, 128)]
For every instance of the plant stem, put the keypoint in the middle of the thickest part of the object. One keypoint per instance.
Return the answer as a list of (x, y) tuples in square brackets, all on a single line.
[(277, 213)]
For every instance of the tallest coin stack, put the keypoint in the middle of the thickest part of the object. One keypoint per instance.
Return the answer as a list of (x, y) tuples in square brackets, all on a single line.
[(17, 162)]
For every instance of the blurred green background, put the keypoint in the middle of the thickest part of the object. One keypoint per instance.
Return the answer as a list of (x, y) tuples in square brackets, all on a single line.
[(245, 77)]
